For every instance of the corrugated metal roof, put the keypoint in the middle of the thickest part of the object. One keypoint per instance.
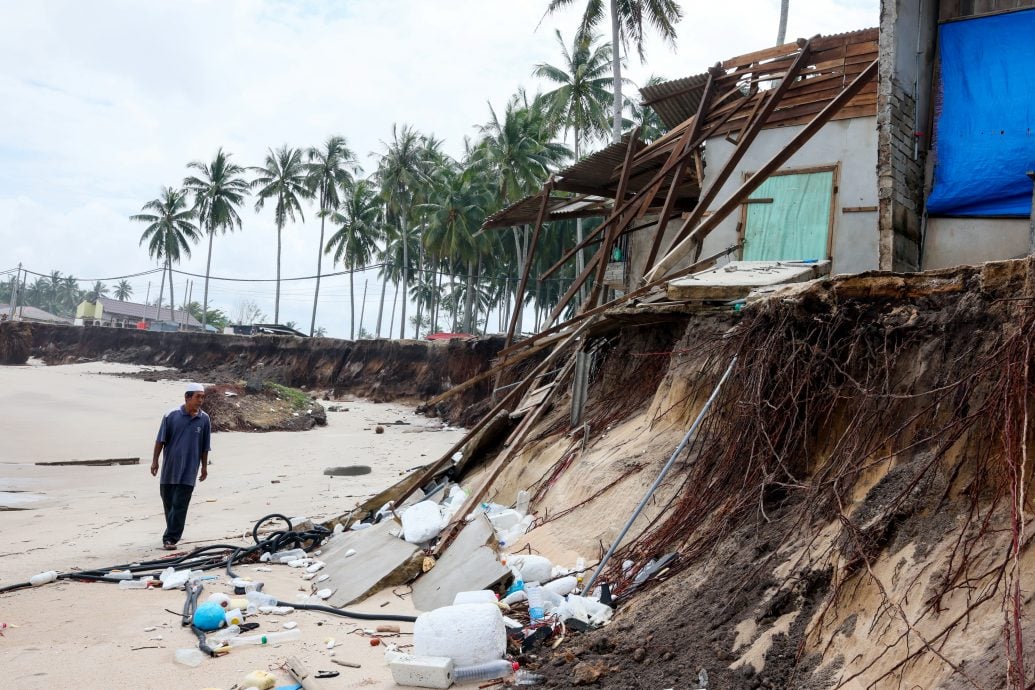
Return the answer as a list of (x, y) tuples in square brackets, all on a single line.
[(135, 310), (34, 314), (596, 173), (677, 100), (526, 211)]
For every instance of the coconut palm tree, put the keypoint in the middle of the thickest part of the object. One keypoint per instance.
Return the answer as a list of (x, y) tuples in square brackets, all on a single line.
[(355, 241), (218, 189), (170, 231), (402, 174), (580, 100), (283, 179), (629, 21), (98, 290), (645, 117), (455, 212), (517, 152), (328, 170), (123, 290)]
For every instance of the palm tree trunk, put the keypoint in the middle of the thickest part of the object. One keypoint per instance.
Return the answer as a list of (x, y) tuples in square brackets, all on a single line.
[(580, 258), (405, 282), (616, 70), (395, 300), (208, 271), (172, 296), (352, 306), (781, 33), (381, 306), (276, 300), (469, 297), (319, 263)]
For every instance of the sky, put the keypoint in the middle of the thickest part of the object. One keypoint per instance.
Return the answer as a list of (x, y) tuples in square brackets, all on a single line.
[(103, 103)]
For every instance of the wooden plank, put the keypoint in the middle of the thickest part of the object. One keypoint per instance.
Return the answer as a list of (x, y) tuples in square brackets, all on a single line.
[(90, 463), (693, 237), (604, 252), (858, 209), (759, 55)]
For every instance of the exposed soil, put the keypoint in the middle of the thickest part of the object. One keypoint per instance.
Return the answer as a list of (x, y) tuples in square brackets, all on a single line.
[(235, 408), (408, 371)]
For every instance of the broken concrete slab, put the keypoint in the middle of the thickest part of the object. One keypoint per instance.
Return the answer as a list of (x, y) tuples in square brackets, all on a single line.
[(470, 563), (380, 560), (737, 279)]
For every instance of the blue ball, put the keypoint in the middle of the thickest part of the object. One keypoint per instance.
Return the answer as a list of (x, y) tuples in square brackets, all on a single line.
[(209, 616)]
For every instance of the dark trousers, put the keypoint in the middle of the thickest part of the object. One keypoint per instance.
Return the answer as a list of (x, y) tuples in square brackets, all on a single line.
[(175, 499)]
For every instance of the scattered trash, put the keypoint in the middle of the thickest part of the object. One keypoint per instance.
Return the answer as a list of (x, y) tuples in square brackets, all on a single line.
[(348, 664), (43, 578), (375, 641), (325, 593), (189, 657), (483, 596), (388, 628), (327, 674), (422, 522), (261, 680), (142, 583), (209, 616), (267, 639), (525, 677), (488, 670), (290, 625), (329, 643)]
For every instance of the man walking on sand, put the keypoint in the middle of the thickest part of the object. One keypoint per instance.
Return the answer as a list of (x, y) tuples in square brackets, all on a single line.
[(184, 436)]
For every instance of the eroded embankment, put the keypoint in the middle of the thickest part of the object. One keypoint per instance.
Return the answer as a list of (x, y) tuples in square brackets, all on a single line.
[(381, 370), (852, 513)]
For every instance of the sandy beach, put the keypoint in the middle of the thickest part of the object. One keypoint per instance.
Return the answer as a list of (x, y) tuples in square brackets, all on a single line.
[(70, 634)]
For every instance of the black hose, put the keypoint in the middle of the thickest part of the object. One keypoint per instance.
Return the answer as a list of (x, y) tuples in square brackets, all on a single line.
[(352, 614)]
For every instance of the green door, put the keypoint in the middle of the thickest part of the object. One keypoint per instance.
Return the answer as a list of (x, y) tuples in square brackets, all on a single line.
[(796, 224)]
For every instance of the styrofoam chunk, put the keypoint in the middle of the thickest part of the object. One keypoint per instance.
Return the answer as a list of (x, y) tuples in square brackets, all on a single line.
[(467, 633)]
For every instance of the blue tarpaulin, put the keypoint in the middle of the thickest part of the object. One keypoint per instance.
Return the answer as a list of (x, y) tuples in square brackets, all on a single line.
[(984, 143)]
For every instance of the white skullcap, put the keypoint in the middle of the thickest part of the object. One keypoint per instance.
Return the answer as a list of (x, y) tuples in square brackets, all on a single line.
[(195, 388)]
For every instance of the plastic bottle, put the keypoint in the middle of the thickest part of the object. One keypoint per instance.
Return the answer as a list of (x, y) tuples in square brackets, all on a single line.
[(119, 575), (43, 578), (285, 556), (189, 657), (142, 583), (233, 617), (523, 499), (487, 671), (523, 677), (535, 601), (225, 634), (261, 599), (268, 638)]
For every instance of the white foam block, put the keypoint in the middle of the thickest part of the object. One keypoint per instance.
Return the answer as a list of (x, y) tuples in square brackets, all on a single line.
[(467, 633), (422, 671)]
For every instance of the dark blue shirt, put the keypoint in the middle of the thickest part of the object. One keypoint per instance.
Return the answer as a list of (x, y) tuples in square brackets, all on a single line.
[(185, 439)]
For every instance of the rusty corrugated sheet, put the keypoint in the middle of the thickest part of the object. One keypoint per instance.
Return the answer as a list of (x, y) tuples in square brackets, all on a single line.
[(677, 100)]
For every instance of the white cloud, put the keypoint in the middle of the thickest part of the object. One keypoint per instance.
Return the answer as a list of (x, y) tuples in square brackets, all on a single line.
[(102, 103)]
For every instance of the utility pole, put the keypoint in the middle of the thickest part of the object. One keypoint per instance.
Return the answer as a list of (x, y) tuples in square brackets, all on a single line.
[(21, 305), (363, 304)]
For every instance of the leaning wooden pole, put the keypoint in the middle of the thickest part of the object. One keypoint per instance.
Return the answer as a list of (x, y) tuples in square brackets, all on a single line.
[(683, 248), (518, 311), (619, 225)]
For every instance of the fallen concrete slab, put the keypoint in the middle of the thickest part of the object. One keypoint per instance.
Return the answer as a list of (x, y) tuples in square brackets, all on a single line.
[(737, 278), (380, 560), (470, 563)]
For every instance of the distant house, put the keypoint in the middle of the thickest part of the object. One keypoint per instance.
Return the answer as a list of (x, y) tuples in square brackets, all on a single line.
[(23, 313), (118, 314)]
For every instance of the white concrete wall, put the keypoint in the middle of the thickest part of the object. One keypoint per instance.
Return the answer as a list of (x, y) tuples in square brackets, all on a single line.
[(954, 241), (850, 143)]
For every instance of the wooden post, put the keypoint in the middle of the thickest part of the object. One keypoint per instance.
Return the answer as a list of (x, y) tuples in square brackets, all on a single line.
[(518, 311), (618, 225), (682, 248)]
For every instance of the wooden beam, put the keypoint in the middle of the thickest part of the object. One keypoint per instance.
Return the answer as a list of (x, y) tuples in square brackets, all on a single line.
[(520, 293), (746, 139), (617, 226), (683, 248), (670, 200)]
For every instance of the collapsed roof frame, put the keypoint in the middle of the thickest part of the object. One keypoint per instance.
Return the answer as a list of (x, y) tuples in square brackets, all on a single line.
[(811, 83)]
